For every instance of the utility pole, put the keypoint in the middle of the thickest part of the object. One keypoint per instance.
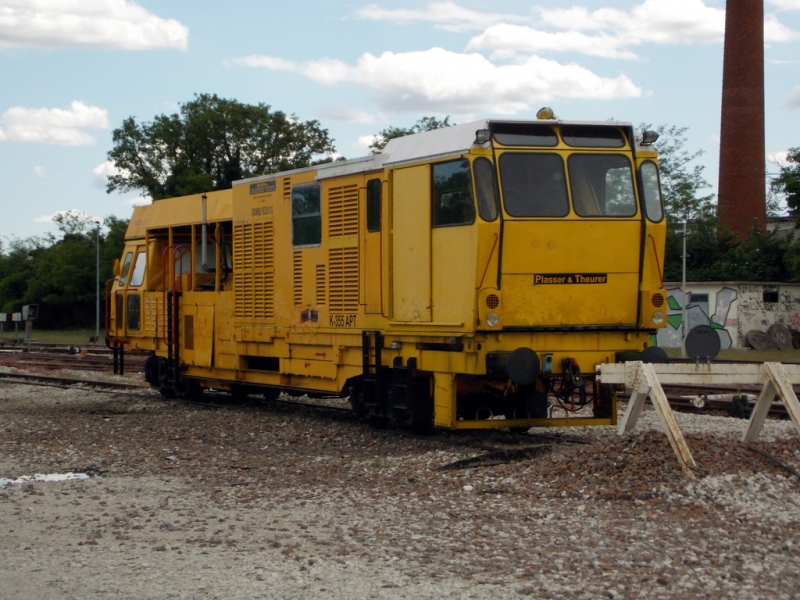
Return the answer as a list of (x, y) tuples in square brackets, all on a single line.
[(97, 294), (684, 234)]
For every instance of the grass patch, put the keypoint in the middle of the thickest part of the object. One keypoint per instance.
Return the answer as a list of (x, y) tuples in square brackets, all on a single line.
[(78, 337)]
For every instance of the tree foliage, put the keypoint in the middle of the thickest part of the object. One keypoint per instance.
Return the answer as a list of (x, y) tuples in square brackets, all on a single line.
[(787, 182), (60, 273), (209, 145), (682, 182), (424, 124)]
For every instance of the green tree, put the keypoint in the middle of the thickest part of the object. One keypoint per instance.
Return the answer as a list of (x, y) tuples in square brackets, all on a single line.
[(60, 273), (210, 144), (787, 182), (424, 124), (681, 182)]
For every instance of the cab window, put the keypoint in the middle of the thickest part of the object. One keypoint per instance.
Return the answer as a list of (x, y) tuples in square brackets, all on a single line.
[(652, 191), (486, 188), (138, 269), (452, 194), (534, 185), (374, 205), (306, 216), (602, 185), (126, 266)]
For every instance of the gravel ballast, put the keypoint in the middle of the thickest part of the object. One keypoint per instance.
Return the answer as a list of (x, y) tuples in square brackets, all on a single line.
[(275, 501)]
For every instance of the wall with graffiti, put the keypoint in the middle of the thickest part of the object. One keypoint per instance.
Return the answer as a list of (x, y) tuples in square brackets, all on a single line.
[(732, 309)]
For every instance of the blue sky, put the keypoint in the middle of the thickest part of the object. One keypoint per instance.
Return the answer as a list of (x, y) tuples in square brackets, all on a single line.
[(74, 69)]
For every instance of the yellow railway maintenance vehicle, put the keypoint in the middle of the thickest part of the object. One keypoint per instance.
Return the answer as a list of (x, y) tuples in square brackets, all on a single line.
[(461, 278)]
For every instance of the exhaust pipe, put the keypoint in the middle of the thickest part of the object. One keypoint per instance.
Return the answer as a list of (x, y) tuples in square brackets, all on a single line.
[(204, 251)]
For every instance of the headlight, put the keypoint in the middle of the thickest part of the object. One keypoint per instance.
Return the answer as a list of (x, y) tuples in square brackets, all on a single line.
[(658, 317), (492, 320)]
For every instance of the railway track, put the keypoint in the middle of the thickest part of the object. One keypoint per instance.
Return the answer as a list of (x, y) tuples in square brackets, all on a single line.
[(56, 358)]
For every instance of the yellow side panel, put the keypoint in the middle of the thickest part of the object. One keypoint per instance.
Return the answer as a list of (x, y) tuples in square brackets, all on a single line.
[(444, 400), (197, 324), (309, 368), (453, 258), (571, 245), (411, 244), (612, 303), (590, 272)]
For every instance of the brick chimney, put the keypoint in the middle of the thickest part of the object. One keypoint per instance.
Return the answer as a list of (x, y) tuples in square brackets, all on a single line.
[(742, 196)]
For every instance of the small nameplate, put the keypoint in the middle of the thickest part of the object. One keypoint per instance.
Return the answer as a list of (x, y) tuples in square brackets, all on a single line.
[(569, 278), (263, 187)]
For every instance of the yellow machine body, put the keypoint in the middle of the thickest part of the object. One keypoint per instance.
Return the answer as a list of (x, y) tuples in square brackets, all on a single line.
[(424, 267)]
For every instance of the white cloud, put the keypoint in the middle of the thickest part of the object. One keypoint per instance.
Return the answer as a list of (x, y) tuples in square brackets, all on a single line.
[(612, 31), (138, 201), (53, 125), (781, 157), (267, 62), (75, 212), (347, 114), (102, 172), (444, 15), (774, 31), (793, 99), (509, 39), (434, 80), (87, 24), (606, 32), (786, 4), (38, 172), (364, 142)]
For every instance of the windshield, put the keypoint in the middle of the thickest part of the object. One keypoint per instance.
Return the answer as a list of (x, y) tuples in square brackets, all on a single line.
[(535, 185)]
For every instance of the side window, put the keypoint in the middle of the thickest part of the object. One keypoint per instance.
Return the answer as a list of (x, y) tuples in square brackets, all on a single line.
[(126, 266), (452, 194), (602, 185), (134, 311), (306, 216), (651, 190), (486, 188), (374, 205), (534, 185), (138, 269)]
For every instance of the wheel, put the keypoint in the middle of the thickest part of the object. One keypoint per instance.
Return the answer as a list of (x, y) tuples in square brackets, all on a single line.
[(272, 394), (359, 410)]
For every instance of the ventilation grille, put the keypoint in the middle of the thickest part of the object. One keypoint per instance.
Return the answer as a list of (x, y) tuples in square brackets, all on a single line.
[(492, 301), (343, 210), (153, 316), (254, 270), (287, 188), (658, 300), (298, 277), (320, 284), (343, 280)]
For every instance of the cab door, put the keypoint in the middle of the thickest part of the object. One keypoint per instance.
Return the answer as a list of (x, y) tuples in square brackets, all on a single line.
[(411, 244)]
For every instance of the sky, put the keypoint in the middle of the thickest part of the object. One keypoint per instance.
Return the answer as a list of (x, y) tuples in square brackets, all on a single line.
[(74, 69)]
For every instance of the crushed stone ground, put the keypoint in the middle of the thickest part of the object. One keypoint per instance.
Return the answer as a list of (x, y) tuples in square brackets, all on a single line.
[(274, 502)]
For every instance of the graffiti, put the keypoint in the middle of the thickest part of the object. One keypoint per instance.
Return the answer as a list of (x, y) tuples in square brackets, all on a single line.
[(697, 313), (732, 311)]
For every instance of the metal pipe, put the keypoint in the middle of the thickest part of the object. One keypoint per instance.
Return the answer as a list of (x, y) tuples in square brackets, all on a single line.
[(683, 289), (204, 250)]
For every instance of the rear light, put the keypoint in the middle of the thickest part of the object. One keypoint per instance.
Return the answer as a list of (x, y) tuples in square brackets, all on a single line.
[(658, 317), (492, 319)]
